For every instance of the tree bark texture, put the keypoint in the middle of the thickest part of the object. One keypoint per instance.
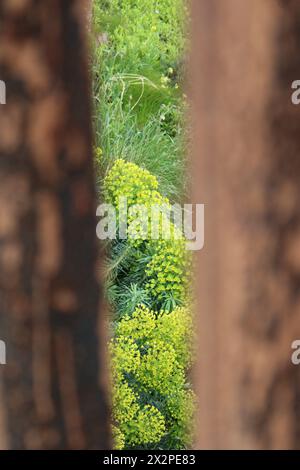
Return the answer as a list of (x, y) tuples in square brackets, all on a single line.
[(53, 391), (246, 169)]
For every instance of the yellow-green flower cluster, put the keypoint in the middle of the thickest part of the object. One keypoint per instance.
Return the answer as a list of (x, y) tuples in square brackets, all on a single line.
[(164, 345), (148, 427), (136, 424), (139, 187), (125, 179), (118, 438), (167, 270)]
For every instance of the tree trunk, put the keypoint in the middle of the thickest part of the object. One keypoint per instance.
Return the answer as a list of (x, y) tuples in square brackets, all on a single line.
[(52, 386), (245, 56)]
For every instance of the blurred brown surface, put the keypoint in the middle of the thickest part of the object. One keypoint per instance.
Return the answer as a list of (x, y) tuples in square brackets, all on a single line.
[(53, 392), (246, 169)]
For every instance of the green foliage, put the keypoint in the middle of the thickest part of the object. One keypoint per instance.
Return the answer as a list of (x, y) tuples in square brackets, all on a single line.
[(138, 116), (137, 68), (146, 31)]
